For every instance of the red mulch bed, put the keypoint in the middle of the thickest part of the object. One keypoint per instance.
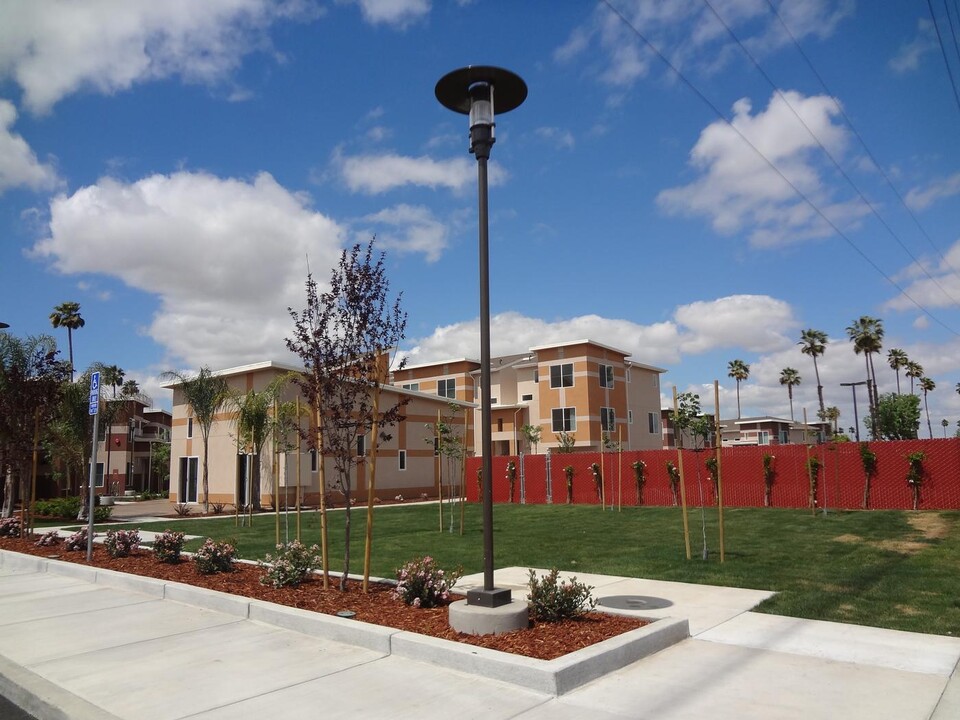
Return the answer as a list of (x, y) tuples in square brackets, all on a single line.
[(545, 641)]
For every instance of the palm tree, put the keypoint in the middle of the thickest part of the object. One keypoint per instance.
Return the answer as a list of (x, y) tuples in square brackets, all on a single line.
[(130, 389), (927, 385), (946, 424), (832, 414), (897, 359), (915, 372), (814, 344), (790, 378), (866, 334), (205, 393), (738, 370), (67, 314), (113, 376)]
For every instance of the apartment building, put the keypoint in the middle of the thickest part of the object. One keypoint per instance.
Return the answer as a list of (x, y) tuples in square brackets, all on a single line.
[(406, 463), (126, 446), (583, 389)]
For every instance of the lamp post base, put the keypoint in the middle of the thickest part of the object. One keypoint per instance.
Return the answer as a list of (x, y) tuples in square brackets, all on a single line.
[(495, 597), (484, 620)]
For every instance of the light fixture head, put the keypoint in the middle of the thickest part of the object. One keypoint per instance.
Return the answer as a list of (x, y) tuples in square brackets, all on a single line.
[(471, 91)]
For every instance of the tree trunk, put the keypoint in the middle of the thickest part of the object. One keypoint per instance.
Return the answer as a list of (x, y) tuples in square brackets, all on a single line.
[(866, 493), (816, 371), (346, 537), (206, 479), (9, 490)]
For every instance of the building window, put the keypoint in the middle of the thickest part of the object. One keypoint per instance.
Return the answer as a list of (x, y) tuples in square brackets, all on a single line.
[(526, 398), (189, 427), (608, 419), (653, 422), (98, 481), (361, 445), (411, 386), (561, 375), (536, 376), (627, 374), (499, 424), (403, 460), (447, 388), (606, 376), (564, 419), (629, 417), (763, 437), (313, 460)]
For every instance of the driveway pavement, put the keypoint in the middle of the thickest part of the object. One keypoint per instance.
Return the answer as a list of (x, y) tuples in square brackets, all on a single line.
[(77, 643)]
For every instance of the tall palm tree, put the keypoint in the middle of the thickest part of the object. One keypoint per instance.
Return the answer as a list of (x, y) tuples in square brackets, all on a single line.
[(113, 376), (814, 344), (897, 359), (832, 414), (790, 378), (205, 393), (866, 334), (130, 389), (915, 372), (738, 370), (67, 314), (946, 424), (927, 385)]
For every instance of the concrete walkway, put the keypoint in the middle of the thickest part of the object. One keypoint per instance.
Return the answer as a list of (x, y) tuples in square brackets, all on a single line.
[(77, 646)]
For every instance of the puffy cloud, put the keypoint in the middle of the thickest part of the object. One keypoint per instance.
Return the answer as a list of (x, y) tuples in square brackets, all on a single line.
[(938, 287), (375, 174), (225, 257), (556, 137), (398, 13), (409, 229), (738, 188), (755, 323), (922, 198), (52, 49), (19, 166), (910, 53)]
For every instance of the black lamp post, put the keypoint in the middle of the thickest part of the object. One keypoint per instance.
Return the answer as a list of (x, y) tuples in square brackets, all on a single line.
[(473, 91), (856, 420), (3, 326)]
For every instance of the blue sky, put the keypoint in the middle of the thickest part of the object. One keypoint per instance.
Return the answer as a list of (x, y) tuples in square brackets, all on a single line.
[(174, 166)]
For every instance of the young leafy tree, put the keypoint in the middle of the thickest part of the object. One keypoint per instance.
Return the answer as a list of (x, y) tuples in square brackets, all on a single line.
[(814, 344), (67, 438), (67, 314), (897, 359), (531, 434), (343, 338), (739, 371), (898, 417), (206, 394), (790, 378)]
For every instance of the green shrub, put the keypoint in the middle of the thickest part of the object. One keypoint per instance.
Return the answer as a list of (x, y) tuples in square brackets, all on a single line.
[(102, 514), (552, 600), (214, 557), (290, 565), (168, 545), (66, 507), (422, 583)]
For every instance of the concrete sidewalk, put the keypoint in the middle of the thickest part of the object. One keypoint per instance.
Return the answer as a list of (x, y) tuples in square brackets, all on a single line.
[(77, 646)]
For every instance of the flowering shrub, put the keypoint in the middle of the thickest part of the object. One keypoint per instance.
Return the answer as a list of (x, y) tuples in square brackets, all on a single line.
[(120, 543), (214, 557), (673, 476), (640, 477), (568, 473), (10, 527), (422, 584), (399, 498), (552, 600), (915, 475), (167, 546), (769, 476), (49, 539), (77, 541), (511, 476), (813, 470), (597, 480), (291, 564)]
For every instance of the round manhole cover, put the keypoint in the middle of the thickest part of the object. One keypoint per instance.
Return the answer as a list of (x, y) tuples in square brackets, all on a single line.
[(634, 602)]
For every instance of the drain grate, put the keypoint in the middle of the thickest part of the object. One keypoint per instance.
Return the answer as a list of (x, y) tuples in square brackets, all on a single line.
[(634, 602)]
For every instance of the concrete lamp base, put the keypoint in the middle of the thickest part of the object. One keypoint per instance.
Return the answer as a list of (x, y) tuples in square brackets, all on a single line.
[(482, 620)]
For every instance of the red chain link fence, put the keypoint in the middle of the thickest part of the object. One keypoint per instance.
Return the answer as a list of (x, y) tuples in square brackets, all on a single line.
[(840, 476)]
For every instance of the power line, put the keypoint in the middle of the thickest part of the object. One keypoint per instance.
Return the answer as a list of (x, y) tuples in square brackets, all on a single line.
[(693, 88), (943, 50), (827, 152)]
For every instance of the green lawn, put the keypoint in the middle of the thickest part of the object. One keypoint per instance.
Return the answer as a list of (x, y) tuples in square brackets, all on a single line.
[(872, 568)]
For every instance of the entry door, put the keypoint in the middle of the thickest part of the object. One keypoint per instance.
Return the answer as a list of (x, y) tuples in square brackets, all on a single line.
[(188, 479), (244, 478)]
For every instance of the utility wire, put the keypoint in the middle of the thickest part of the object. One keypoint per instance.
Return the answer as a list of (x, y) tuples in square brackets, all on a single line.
[(953, 30), (803, 196), (953, 83), (827, 152)]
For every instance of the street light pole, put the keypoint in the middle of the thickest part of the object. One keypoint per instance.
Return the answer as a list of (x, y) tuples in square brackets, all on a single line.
[(856, 420), (470, 91)]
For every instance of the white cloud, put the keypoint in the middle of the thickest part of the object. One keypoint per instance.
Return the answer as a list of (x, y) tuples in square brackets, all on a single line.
[(938, 287), (555, 136), (738, 189), (55, 48), (409, 229), (910, 53), (688, 33), (19, 166), (376, 174), (756, 323), (922, 198), (225, 257), (398, 13)]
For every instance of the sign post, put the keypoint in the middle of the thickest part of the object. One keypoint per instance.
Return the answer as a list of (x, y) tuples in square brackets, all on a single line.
[(95, 411)]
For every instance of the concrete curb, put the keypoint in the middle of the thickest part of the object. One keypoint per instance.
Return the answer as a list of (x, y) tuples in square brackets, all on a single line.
[(554, 677), (42, 698)]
